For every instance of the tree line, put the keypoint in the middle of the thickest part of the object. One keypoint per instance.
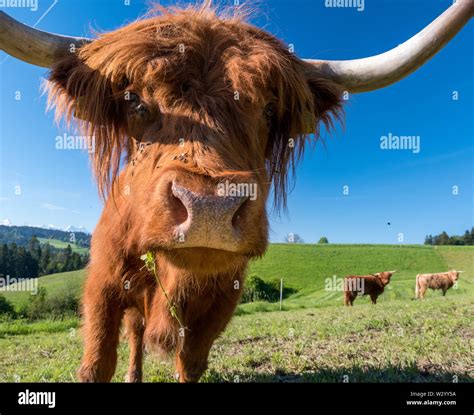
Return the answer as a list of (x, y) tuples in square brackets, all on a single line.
[(36, 259), (21, 235), (444, 239)]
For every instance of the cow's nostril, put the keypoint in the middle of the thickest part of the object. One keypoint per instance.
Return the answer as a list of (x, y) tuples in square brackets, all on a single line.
[(206, 219), (240, 213), (180, 212)]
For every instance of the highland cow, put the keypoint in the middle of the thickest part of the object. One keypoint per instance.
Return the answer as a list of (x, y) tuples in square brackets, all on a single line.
[(189, 102), (440, 281), (372, 285)]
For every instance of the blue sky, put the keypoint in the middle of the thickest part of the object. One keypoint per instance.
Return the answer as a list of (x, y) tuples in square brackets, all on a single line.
[(412, 191)]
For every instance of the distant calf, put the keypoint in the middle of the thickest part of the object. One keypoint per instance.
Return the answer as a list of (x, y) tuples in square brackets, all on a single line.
[(373, 285), (441, 281)]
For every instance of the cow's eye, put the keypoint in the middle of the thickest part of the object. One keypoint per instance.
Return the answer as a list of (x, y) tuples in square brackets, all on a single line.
[(269, 110), (139, 116), (136, 108)]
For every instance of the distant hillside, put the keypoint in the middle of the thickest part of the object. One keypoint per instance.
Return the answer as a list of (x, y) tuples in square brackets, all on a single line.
[(55, 243), (21, 235), (305, 267)]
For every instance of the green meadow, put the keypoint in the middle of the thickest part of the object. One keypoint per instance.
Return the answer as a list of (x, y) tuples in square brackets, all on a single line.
[(62, 245), (314, 338)]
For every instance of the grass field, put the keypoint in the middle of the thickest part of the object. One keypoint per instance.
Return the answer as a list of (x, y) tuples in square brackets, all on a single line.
[(61, 245), (314, 338), (55, 284)]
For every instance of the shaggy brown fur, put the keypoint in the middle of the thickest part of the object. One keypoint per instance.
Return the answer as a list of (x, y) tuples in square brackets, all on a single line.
[(372, 285), (192, 92), (441, 281), (222, 99)]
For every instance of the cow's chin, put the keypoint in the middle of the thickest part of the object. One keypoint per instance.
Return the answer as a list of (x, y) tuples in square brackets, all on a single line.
[(206, 261)]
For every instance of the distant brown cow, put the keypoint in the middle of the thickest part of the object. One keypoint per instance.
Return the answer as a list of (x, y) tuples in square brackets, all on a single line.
[(373, 285), (440, 281)]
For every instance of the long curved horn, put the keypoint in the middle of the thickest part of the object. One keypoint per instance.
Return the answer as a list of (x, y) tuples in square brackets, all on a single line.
[(379, 71), (35, 46)]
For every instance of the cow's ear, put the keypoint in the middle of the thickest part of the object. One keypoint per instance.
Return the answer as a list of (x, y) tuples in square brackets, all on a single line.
[(304, 102), (78, 91), (326, 105), (93, 99), (80, 112), (63, 88)]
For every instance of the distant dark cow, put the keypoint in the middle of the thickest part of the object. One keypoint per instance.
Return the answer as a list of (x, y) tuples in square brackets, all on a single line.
[(373, 285), (441, 281)]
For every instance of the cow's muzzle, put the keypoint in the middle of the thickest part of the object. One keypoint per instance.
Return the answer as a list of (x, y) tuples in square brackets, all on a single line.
[(204, 220)]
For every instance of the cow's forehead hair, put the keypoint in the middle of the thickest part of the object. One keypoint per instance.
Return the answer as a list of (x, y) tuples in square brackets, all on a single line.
[(196, 64)]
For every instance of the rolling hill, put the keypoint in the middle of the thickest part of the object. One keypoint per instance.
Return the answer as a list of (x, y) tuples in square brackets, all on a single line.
[(21, 235), (62, 245), (306, 267)]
